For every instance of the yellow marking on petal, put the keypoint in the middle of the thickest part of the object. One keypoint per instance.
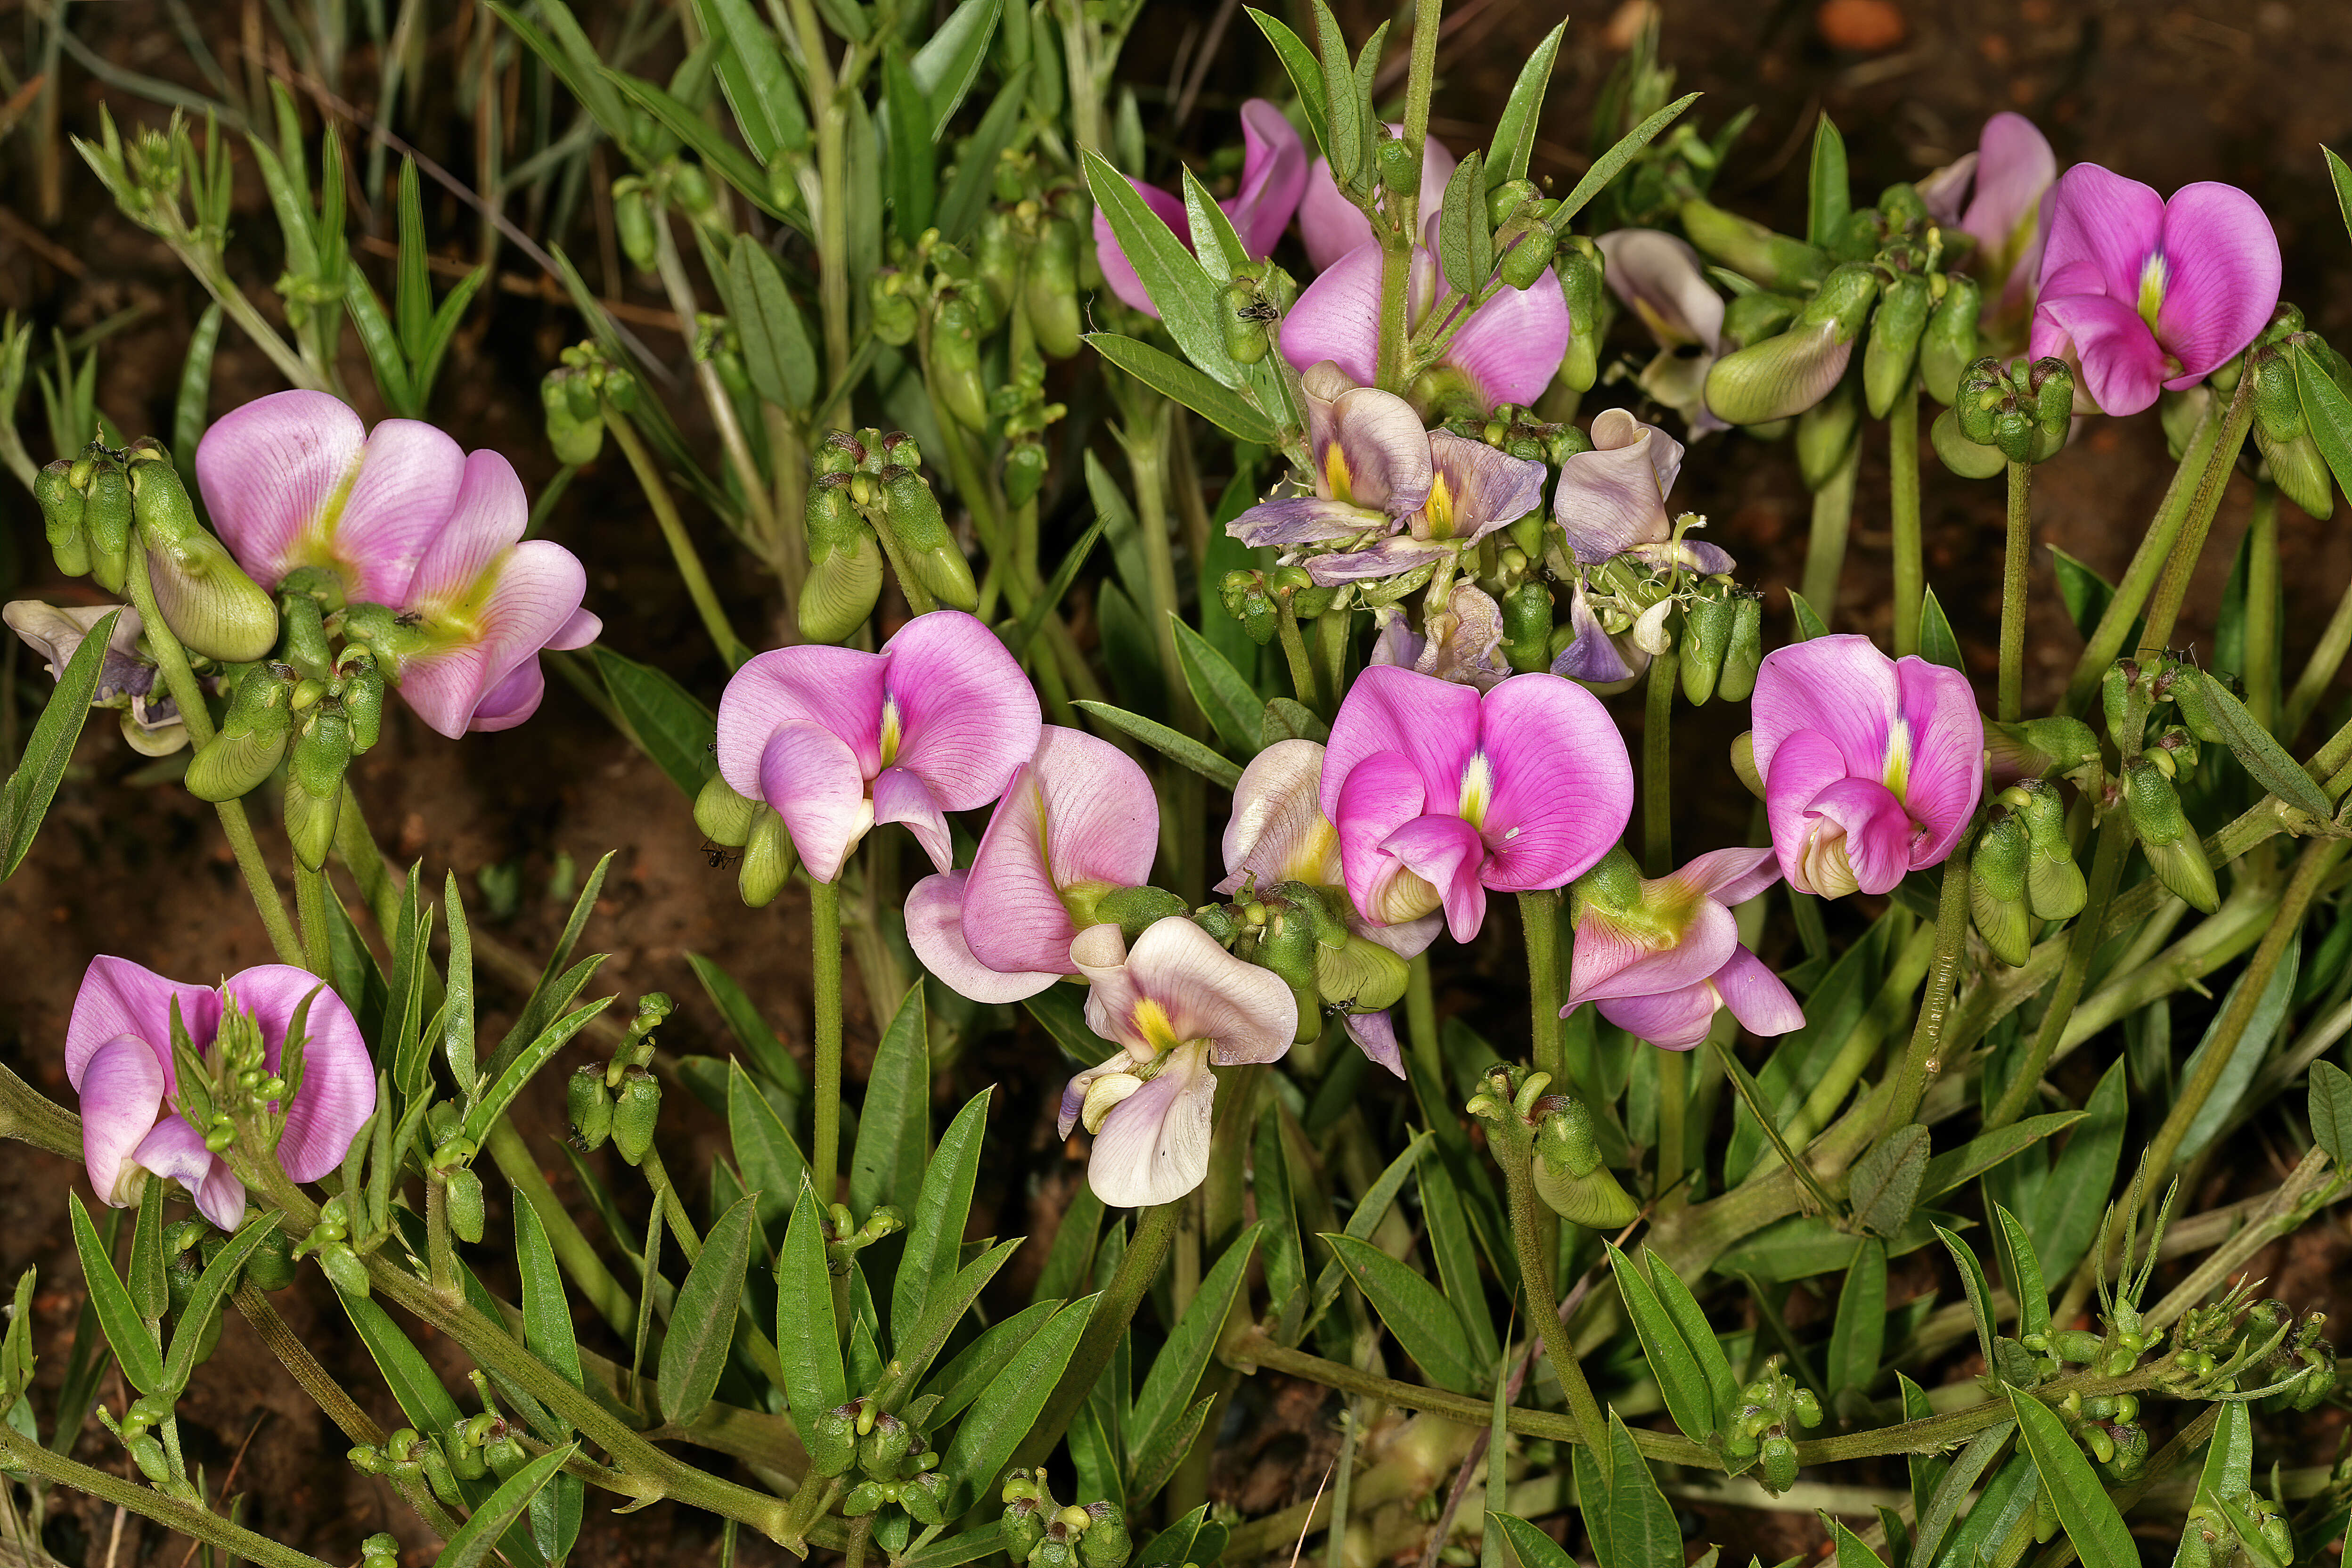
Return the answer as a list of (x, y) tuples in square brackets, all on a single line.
[(1315, 854), (463, 618), (1478, 789), (1897, 775), (893, 731), (2151, 288), (1336, 478), (1151, 1022), (1440, 508)]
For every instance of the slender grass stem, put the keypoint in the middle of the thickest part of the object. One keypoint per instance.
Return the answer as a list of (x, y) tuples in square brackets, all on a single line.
[(688, 561), (2164, 609), (1924, 1060), (2262, 671), (1539, 915), (1657, 765), (1825, 549), (2082, 945)]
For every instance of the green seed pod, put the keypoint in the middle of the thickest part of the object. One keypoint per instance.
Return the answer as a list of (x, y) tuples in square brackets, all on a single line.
[(1996, 887), (148, 1454), (996, 257), (1526, 626), (1288, 947), (956, 379), (1826, 433), (322, 750), (1706, 637), (204, 596), (363, 701), (1578, 266), (635, 1114), (1745, 652), (894, 316), (1243, 316), (1135, 910), (924, 1497), (1777, 1461), (832, 1439), (1752, 318), (1984, 389), (1750, 249), (246, 748), (1025, 470), (62, 507), (464, 1204), (1896, 329), (724, 816), (1949, 343), (1360, 975), (344, 1269), (106, 523), (576, 438), (1105, 1543), (768, 859), (311, 823), (270, 1265), (590, 1106), (844, 576), (2174, 852), (2053, 882), (1965, 457), (1050, 287)]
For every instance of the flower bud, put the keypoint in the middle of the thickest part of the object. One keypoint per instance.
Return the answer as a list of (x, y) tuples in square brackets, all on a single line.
[(1778, 377), (322, 750), (924, 1497), (1826, 434), (633, 218), (1896, 328), (1777, 1462), (844, 576), (1526, 626), (724, 816), (768, 859), (1996, 887), (1578, 266), (362, 701), (270, 1265), (2054, 882), (2300, 472), (1706, 637), (1984, 387), (1025, 470), (1949, 343), (590, 1104), (2174, 851), (62, 507), (577, 438), (246, 748), (1752, 318), (1361, 974), (1965, 457), (1744, 653), (1244, 318), (464, 1204), (1523, 258), (635, 1114), (1750, 249), (2278, 403), (106, 518), (311, 821), (956, 379), (1133, 909), (1565, 1139), (1288, 948), (1050, 287), (1105, 1543), (831, 1440), (883, 1447), (204, 596), (1594, 1200), (932, 553), (344, 1269)]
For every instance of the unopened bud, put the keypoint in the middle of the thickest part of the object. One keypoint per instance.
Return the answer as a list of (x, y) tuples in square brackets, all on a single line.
[(204, 596), (1778, 377), (1896, 329), (590, 1106), (464, 1204), (1751, 250), (2054, 885), (1581, 269), (1949, 343), (1826, 434), (635, 1112), (247, 746), (1050, 287), (106, 518), (1963, 457), (956, 379), (768, 859), (724, 816), (844, 574), (344, 1269), (1777, 1463), (1105, 1543), (2174, 851), (62, 507), (1996, 887)]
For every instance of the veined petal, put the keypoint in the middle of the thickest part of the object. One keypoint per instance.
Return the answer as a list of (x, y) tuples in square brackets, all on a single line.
[(1375, 1035), (121, 1085), (1102, 817), (1622, 965), (1841, 687), (1118, 271), (175, 1150), (2221, 277), (1729, 876), (1099, 952), (1380, 794), (2015, 166), (1511, 346), (1756, 995), (1154, 1145), (2122, 363), (901, 795), (267, 471), (1592, 654), (119, 997), (511, 701), (410, 479), (1332, 226), (1399, 553), (810, 776), (968, 715), (1245, 1013), (521, 598), (837, 689), (1475, 489), (579, 631), (1614, 497), (1879, 833), (1371, 451), (1446, 852), (1805, 764), (1671, 1020), (1277, 832), (2101, 218), (1946, 770), (1273, 178), (1338, 316), (1434, 724), (338, 1092), (1020, 923), (1465, 639), (934, 930), (1304, 519), (1563, 787), (489, 515), (1661, 280)]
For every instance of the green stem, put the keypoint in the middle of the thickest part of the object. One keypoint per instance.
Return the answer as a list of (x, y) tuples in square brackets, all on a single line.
[(191, 1519), (765, 533), (440, 1250), (833, 208), (2173, 586), (571, 1247), (1903, 506), (2082, 945), (1861, 1047), (1145, 437), (311, 902), (1514, 1152), (2140, 578), (824, 922), (1294, 651), (1826, 550), (2319, 671), (1331, 658), (1924, 1060), (681, 547), (172, 663), (1114, 1310), (1420, 1020), (365, 862), (1539, 915), (2015, 559), (1657, 765), (1398, 223), (2261, 633), (1674, 1101)]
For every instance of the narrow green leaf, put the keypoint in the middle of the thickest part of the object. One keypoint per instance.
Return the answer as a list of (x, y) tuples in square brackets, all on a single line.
[(718, 155), (777, 353), (211, 1287), (1427, 1329), (1938, 644), (194, 401), (767, 104), (1187, 300), (2340, 176), (1953, 1488), (2086, 593), (415, 1387), (547, 1327), (1229, 411), (2330, 1110), (1829, 196), (1697, 1332), (1809, 624), (412, 297), (1534, 1547), (2262, 756), (1858, 1336), (25, 799), (702, 1322), (1161, 1405), (457, 1009), (1181, 748), (967, 197), (1451, 1244), (935, 1227), (2088, 1514), (668, 723), (1885, 1184), (572, 57), (927, 1338), (557, 985), (980, 1364), (1606, 166), (2066, 1212), (1008, 1407), (769, 1058), (485, 1111), (149, 1297), (894, 1125), (1154, 1465), (1064, 575), (1234, 711), (1465, 240), (1972, 1279), (914, 187), (1682, 1383), (950, 60), (134, 1342), (771, 1163), (1977, 1156), (1348, 134), (808, 1334), (393, 382), (1306, 73), (2263, 1028), (2023, 1271), (480, 1535), (2327, 411), (1515, 131), (2229, 1468), (1851, 1551), (1063, 1014)]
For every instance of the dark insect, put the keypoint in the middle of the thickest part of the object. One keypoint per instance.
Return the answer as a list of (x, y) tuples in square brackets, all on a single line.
[(720, 855), (409, 619)]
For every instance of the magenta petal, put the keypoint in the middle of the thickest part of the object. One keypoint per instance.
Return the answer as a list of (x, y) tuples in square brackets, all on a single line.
[(969, 714), (267, 471), (1946, 774), (1447, 853), (1730, 877), (901, 795), (119, 997), (1511, 346), (1332, 226), (811, 778), (1118, 271), (1103, 813), (1338, 318), (522, 598), (934, 930), (1620, 965), (1804, 765), (338, 1092), (2015, 166), (1434, 723), (410, 476), (1154, 1144), (121, 1085), (1273, 177), (1375, 1035), (2102, 219), (835, 689), (1756, 996), (580, 630), (1671, 1020), (1841, 686), (1020, 923), (2123, 366), (511, 701), (1563, 787), (2221, 277), (1879, 833), (490, 514), (175, 1150), (1378, 796)]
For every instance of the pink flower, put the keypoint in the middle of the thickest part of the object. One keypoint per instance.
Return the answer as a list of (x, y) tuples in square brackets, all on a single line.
[(1274, 173), (1332, 226), (1506, 351), (1078, 820), (1659, 955), (837, 741), (1870, 765), (1441, 794), (119, 1059), (1176, 1004), (2146, 293), (1994, 195), (410, 523)]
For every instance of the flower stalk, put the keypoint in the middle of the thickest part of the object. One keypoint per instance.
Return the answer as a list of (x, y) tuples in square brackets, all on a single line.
[(824, 927), (1903, 507), (2017, 556)]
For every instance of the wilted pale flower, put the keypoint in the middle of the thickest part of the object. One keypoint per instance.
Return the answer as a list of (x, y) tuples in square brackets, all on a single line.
[(1176, 1004), (1274, 173), (1078, 820), (150, 719), (1613, 498), (838, 740), (1460, 639), (1659, 954), (1660, 278), (410, 523), (1870, 765), (2147, 294), (119, 1059), (1994, 195)]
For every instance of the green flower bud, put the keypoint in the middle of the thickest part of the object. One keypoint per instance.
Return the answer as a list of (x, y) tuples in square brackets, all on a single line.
[(996, 257), (1526, 626), (204, 596), (956, 379), (1706, 637), (921, 529), (831, 1440), (107, 518), (844, 576), (2051, 381), (1523, 257), (270, 1265), (1133, 909), (464, 1204), (344, 1269), (924, 1497), (724, 816), (362, 701), (380, 1551), (589, 1105), (1777, 377), (1896, 329), (504, 1455), (635, 1114), (2053, 882), (1826, 434), (1050, 287), (633, 218), (62, 507), (895, 319), (1751, 250), (311, 823), (2174, 851), (1565, 1140), (1965, 457), (1984, 387), (1777, 1461), (1105, 1543), (884, 1447), (576, 438), (322, 750), (1361, 974), (2300, 472), (149, 1456), (1996, 887), (1844, 300), (768, 859), (1752, 318), (2278, 403), (251, 739), (1578, 266), (1287, 946), (1245, 316), (1950, 340), (1744, 654), (1023, 1528)]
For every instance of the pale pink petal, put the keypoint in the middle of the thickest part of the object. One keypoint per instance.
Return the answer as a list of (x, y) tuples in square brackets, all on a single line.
[(1277, 832), (1620, 965), (1563, 787), (2221, 277), (1661, 280), (410, 478), (580, 630), (1154, 1145), (1879, 833), (1371, 451), (338, 1092), (1614, 497), (1375, 1035), (970, 716), (1338, 316), (1671, 1020), (810, 776), (121, 1085), (1603, 948), (1273, 177), (1841, 686), (1118, 271), (934, 930), (1946, 192), (1333, 225), (175, 1152), (1756, 996), (1730, 877), (1079, 811), (1511, 346), (1074, 1093), (2101, 218), (901, 795), (1245, 1013), (1434, 723), (521, 599), (1804, 765), (2123, 367), (1099, 952), (490, 514), (511, 701), (2015, 167), (269, 469), (1946, 772), (835, 689), (1447, 853), (119, 997)]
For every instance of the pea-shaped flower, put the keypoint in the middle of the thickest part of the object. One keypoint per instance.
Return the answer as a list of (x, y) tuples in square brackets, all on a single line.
[(1274, 174), (119, 1059), (1994, 195), (1870, 765), (838, 740), (1658, 955)]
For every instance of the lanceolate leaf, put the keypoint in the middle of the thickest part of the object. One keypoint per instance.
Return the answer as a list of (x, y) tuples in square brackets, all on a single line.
[(1858, 1335), (1228, 410), (777, 353), (211, 1287), (2331, 1111), (808, 1334), (1681, 1379), (894, 1125), (1514, 133), (1159, 1405), (480, 1535), (1977, 1156), (1828, 198), (702, 1322), (1009, 1407), (667, 723), (2089, 1516), (935, 1224), (950, 60), (25, 800), (1972, 1279), (1305, 70), (2260, 755), (1236, 711), (1186, 298), (1179, 747), (134, 1344), (2327, 411), (1605, 169), (771, 1163)]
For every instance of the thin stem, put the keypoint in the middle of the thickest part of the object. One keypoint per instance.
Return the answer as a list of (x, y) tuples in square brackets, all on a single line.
[(1398, 223), (1331, 658), (1657, 765), (1903, 505), (2015, 559), (172, 663), (763, 520), (1294, 651), (191, 1519), (2107, 871), (1826, 550), (365, 862), (1924, 1060), (311, 902), (681, 547), (1515, 1151), (824, 923), (2262, 657), (1145, 437), (2173, 586), (1674, 1101), (1420, 1020), (1539, 915), (832, 209), (440, 1248), (2319, 671), (1155, 1227)]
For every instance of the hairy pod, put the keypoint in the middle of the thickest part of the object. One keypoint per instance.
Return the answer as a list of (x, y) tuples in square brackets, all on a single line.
[(1896, 329), (1949, 343), (635, 1112), (590, 1104)]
